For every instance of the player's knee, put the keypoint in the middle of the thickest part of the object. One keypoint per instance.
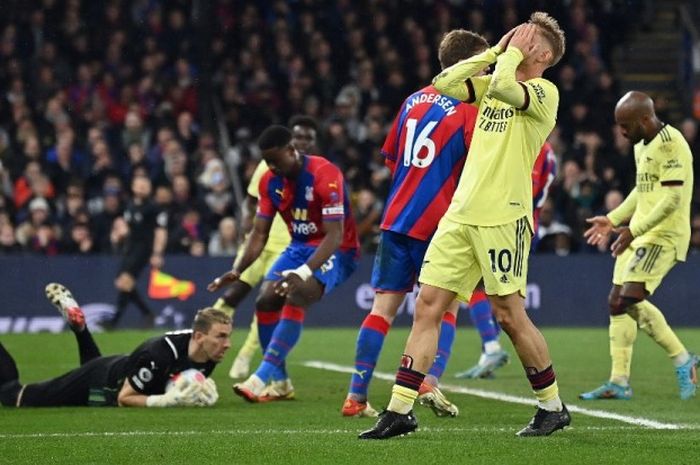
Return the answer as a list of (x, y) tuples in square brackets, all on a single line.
[(428, 310), (269, 301), (621, 304)]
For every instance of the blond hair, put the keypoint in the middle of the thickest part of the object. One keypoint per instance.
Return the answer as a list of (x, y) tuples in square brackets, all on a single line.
[(458, 45), (550, 29), (207, 317)]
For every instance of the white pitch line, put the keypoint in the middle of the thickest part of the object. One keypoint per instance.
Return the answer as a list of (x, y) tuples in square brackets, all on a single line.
[(238, 432), (637, 421)]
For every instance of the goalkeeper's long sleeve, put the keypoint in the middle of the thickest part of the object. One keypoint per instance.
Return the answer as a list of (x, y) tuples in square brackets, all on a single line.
[(667, 205), (625, 210), (450, 81)]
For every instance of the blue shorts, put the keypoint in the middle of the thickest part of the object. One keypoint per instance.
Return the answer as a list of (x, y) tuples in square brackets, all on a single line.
[(332, 274), (397, 262)]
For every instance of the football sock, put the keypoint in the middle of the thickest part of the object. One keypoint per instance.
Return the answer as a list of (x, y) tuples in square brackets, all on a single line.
[(221, 304), (267, 322), (444, 349), (369, 344), (652, 322), (284, 337), (135, 296), (252, 343), (405, 390), (623, 333), (482, 317), (8, 368), (122, 302), (87, 348), (544, 386)]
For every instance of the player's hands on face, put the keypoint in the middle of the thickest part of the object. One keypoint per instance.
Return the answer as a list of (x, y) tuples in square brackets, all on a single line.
[(622, 242), (503, 43), (524, 39), (223, 280), (600, 230), (287, 284)]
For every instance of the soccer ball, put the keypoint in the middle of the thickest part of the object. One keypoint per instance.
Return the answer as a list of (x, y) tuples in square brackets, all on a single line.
[(188, 376)]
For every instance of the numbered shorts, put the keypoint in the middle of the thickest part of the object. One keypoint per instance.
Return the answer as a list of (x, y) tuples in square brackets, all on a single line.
[(256, 271), (459, 255), (644, 262), (334, 272), (397, 262)]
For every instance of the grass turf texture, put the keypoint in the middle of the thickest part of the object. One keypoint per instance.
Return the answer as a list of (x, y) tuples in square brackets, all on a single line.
[(310, 429)]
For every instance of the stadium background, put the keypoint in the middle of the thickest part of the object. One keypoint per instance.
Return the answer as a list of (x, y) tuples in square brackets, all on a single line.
[(92, 92)]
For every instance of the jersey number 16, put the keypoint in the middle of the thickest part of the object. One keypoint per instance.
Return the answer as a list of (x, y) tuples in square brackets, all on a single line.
[(414, 147)]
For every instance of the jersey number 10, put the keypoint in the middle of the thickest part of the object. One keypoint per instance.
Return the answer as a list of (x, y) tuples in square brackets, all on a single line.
[(414, 147)]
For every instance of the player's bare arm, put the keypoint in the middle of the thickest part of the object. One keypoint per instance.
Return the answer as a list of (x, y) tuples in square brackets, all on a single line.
[(160, 239), (130, 397), (252, 250)]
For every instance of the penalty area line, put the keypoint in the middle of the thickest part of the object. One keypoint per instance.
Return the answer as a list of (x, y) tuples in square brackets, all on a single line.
[(493, 395)]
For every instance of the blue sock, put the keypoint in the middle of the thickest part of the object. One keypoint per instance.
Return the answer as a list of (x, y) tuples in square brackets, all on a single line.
[(482, 317), (444, 349), (283, 339), (369, 344), (267, 322)]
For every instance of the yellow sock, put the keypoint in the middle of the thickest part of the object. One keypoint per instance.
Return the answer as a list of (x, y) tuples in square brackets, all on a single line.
[(402, 399), (252, 342), (652, 322), (548, 398), (221, 304), (623, 332)]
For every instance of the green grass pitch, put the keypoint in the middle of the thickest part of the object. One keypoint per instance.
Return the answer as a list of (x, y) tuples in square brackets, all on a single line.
[(310, 430)]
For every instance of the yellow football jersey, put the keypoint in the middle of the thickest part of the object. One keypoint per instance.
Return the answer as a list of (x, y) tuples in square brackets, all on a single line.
[(496, 184), (666, 157), (279, 234)]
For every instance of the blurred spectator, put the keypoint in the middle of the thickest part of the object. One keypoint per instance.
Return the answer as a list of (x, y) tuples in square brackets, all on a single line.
[(368, 213), (224, 241)]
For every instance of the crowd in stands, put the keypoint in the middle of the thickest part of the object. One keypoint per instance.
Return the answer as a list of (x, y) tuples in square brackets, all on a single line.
[(94, 92)]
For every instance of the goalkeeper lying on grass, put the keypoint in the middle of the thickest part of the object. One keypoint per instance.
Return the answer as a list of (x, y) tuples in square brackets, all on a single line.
[(135, 380)]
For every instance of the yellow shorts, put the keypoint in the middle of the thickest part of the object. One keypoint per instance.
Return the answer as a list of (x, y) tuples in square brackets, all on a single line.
[(460, 255), (257, 270), (644, 262)]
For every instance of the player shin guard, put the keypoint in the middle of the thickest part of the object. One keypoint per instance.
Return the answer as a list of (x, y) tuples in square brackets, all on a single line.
[(267, 322), (284, 338), (623, 333), (444, 349), (482, 317), (369, 344), (405, 390), (652, 322), (544, 386), (221, 304)]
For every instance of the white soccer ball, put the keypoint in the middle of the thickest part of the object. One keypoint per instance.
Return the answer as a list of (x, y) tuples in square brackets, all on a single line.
[(186, 377)]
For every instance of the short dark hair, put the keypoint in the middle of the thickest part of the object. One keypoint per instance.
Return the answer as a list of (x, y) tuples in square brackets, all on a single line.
[(207, 317), (458, 45), (274, 136), (303, 120)]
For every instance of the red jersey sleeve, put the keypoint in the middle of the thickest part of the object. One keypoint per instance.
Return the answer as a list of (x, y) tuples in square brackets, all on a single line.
[(266, 209), (470, 115), (390, 149), (329, 188)]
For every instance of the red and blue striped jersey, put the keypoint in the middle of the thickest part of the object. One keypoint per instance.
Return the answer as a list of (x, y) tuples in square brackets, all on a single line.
[(317, 195), (543, 173), (425, 150)]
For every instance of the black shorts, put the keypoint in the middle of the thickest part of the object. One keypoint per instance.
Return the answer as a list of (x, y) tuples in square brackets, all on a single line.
[(135, 260), (78, 387)]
